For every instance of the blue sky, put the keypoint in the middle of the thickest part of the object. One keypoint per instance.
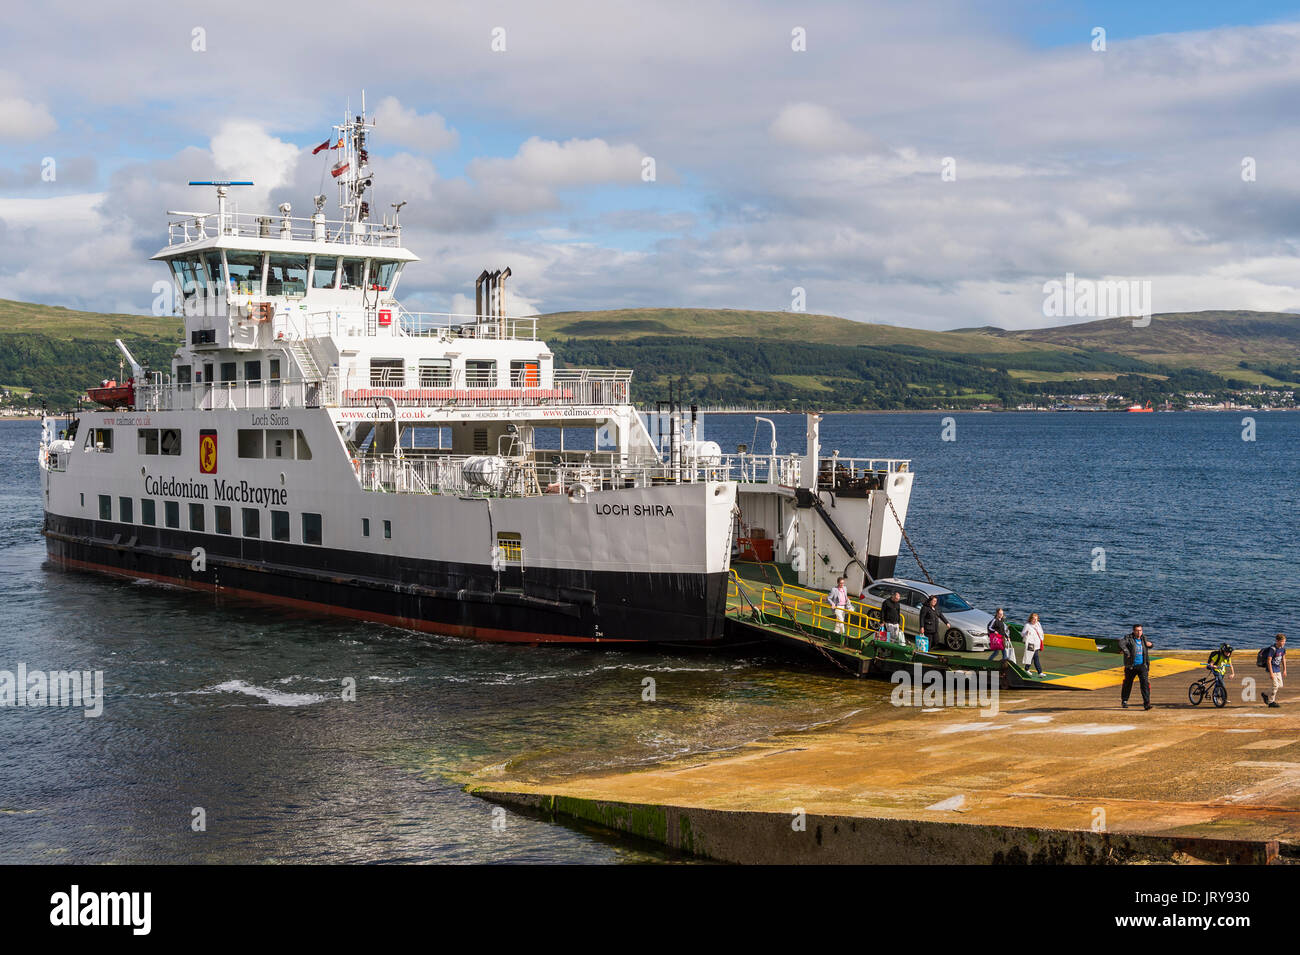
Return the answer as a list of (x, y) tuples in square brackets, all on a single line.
[(778, 169)]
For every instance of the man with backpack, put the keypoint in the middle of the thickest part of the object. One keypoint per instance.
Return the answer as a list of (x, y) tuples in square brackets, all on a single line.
[(1273, 660), (1137, 664), (1220, 664)]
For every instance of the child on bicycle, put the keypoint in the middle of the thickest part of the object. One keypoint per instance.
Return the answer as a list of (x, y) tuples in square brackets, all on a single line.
[(1220, 662)]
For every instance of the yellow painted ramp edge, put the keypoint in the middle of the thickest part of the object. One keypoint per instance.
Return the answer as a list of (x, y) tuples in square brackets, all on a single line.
[(1160, 666)]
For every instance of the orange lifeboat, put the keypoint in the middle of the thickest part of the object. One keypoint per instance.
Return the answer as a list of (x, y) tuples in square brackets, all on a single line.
[(112, 395)]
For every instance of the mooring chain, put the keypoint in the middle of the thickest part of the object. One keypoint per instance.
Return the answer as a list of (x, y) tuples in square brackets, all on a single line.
[(915, 556)]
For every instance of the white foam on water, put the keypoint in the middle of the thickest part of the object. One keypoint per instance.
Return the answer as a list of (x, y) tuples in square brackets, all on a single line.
[(1267, 715), (1035, 719), (273, 697)]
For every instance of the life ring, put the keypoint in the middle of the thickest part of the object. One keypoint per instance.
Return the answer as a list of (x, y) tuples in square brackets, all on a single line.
[(577, 493)]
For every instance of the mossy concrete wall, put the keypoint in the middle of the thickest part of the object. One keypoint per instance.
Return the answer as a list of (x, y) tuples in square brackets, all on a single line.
[(778, 838)]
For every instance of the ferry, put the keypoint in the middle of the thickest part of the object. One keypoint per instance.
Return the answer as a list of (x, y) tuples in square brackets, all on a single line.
[(315, 444)]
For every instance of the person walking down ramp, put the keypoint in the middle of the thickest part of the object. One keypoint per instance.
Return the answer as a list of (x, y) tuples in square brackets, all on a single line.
[(1137, 665), (891, 615), (931, 617), (839, 599), (1273, 659), (1032, 634), (1000, 637)]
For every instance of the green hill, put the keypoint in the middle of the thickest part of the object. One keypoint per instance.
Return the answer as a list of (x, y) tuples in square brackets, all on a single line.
[(51, 355), (725, 356)]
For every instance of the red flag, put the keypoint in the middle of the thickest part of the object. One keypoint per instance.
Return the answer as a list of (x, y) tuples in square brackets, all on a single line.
[(339, 169), (324, 145)]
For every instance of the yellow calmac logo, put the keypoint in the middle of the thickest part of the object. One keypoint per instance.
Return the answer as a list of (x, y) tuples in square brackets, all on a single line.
[(208, 452)]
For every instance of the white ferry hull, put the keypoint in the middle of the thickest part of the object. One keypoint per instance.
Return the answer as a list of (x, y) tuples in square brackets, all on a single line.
[(638, 565)]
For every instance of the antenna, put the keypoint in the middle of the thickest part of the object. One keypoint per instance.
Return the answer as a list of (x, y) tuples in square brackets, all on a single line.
[(222, 185), (353, 167)]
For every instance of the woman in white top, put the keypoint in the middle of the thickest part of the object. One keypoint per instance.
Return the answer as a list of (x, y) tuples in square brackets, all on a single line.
[(839, 599), (1032, 634)]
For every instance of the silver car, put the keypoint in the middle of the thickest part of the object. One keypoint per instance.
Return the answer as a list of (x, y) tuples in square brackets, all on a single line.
[(967, 627)]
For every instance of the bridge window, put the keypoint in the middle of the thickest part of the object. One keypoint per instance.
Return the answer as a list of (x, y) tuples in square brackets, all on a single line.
[(215, 269), (382, 274), (286, 275), (252, 371), (311, 529), (480, 373), (280, 525), (189, 274), (435, 372), (325, 271), (221, 515), (387, 373), (245, 272), (352, 271), (229, 370)]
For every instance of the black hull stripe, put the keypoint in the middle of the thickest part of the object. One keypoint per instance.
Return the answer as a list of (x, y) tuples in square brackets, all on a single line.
[(536, 605)]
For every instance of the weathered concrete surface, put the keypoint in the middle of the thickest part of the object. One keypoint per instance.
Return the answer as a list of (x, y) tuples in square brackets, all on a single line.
[(1035, 782)]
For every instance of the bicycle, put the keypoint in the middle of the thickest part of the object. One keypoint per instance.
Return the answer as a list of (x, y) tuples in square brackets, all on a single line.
[(1218, 692)]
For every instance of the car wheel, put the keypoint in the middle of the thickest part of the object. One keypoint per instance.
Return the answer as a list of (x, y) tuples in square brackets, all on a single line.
[(954, 640)]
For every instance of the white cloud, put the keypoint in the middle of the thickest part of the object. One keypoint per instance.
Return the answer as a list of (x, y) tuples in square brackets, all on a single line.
[(401, 126), (817, 128), (245, 150), (576, 162), (21, 119)]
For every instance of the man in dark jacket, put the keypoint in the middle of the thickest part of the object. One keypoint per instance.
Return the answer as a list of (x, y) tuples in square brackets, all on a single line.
[(931, 617), (1137, 663), (891, 615)]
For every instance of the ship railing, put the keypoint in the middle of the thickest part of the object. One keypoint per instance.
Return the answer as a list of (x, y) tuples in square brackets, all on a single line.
[(780, 469), (183, 229), (571, 387), (230, 395), (418, 473), (448, 326), (576, 474)]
